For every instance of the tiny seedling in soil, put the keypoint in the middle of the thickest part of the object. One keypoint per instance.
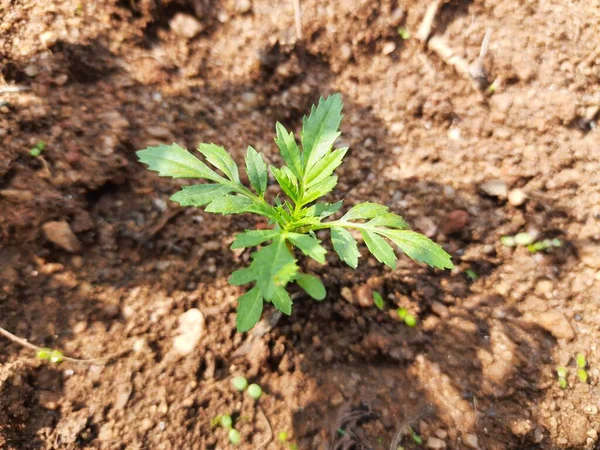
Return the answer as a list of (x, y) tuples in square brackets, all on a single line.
[(408, 318), (306, 176), (378, 300), (404, 33), (37, 149), (226, 421), (240, 383), (415, 437), (562, 376), (254, 391), (471, 274), (526, 240), (581, 366), (234, 437)]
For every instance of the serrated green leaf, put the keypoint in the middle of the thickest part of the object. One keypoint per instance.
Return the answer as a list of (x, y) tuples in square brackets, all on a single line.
[(264, 210), (249, 310), (229, 204), (308, 245), (320, 129), (388, 219), (325, 167), (252, 238), (242, 276), (379, 248), (256, 170), (365, 210), (200, 194), (289, 150), (274, 265), (324, 209), (312, 285), (320, 189), (219, 157), (345, 246), (420, 248), (282, 301), (287, 181), (175, 161)]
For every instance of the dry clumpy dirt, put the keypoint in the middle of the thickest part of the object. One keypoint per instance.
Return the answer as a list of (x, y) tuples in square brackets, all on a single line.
[(95, 260)]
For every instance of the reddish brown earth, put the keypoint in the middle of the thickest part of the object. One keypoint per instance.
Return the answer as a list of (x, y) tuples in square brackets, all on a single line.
[(105, 78)]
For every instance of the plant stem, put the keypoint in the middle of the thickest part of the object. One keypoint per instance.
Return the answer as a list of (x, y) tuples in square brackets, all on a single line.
[(25, 343)]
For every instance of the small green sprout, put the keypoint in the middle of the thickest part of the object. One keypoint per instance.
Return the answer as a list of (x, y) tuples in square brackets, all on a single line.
[(415, 437), (581, 361), (410, 320), (306, 176), (293, 446), (380, 440), (378, 300), (523, 238), (226, 421), (562, 373), (240, 383), (471, 274), (402, 312), (491, 89), (582, 375), (404, 33), (546, 244), (508, 241), (254, 391), (234, 437), (47, 354), (341, 431), (37, 150), (282, 436)]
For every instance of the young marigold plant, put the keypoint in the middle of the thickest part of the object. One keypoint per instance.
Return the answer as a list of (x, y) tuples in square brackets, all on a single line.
[(306, 177)]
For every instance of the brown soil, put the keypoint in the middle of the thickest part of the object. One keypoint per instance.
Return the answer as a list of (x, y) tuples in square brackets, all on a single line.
[(105, 78)]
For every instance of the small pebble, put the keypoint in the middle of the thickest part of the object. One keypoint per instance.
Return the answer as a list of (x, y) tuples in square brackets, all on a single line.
[(435, 443), (389, 48), (470, 441), (494, 188), (516, 197)]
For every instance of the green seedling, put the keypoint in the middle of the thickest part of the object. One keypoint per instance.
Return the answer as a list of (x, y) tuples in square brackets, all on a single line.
[(544, 245), (471, 274), (294, 219), (226, 421), (293, 446), (282, 436), (254, 391), (404, 33), (581, 366), (491, 89), (47, 354), (37, 149), (240, 383), (408, 318), (523, 238), (508, 241), (562, 373), (234, 437), (415, 437), (378, 300)]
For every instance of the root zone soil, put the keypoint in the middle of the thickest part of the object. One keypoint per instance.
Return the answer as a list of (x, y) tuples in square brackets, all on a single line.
[(98, 80)]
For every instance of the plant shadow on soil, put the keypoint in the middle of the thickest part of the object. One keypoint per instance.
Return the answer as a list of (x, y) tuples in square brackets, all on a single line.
[(470, 370)]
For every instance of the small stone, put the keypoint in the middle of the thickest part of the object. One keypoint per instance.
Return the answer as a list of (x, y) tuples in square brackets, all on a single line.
[(441, 433), (60, 233), (470, 441), (440, 309), (158, 132), (388, 48), (48, 38), (190, 331), (49, 400), (364, 296), (556, 323), (345, 52), (455, 222), (576, 429), (18, 195), (544, 287), (31, 71), (435, 443), (516, 197), (494, 188), (347, 294), (185, 25), (146, 425), (337, 399), (454, 134), (243, 6)]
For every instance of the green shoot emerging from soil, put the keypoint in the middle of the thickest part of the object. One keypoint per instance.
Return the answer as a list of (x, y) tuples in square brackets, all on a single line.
[(308, 175)]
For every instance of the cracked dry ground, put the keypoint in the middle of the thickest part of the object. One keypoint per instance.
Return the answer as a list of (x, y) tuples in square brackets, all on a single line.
[(99, 80)]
